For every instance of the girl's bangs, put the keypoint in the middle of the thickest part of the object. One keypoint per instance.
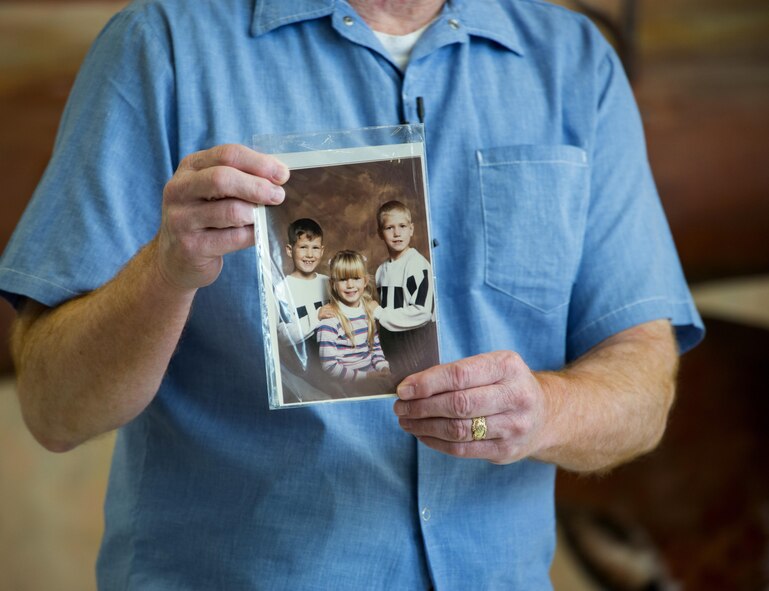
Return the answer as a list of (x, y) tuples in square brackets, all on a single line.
[(348, 268), (351, 274)]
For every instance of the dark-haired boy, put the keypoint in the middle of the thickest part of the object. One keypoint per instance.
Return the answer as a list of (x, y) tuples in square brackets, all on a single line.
[(302, 293)]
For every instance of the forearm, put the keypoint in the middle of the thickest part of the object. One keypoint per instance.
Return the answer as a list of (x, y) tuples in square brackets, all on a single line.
[(401, 319), (293, 330), (612, 404), (289, 334), (329, 354), (379, 363), (417, 308), (94, 363)]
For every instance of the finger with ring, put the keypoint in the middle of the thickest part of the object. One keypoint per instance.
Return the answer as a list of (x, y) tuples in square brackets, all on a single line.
[(478, 428)]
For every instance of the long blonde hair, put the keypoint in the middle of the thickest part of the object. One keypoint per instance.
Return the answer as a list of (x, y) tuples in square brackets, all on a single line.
[(350, 264)]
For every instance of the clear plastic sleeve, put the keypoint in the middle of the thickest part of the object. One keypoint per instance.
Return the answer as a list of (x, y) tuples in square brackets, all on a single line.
[(345, 266)]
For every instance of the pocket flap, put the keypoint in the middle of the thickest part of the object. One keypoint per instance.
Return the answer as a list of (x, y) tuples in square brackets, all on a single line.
[(532, 154)]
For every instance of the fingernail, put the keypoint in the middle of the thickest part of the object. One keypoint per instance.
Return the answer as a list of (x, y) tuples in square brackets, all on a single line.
[(405, 392), (401, 408), (278, 194), (281, 174)]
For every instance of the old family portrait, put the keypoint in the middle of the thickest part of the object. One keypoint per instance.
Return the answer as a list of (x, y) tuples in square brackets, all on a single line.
[(354, 302)]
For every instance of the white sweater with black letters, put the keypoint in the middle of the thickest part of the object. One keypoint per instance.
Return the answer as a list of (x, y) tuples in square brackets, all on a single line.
[(405, 290)]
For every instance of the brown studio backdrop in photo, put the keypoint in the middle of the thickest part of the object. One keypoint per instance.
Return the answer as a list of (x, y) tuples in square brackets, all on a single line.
[(344, 200)]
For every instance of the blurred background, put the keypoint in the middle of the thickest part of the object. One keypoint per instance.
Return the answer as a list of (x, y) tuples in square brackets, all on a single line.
[(694, 514)]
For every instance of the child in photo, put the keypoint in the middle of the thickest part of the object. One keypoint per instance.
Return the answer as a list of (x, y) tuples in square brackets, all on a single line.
[(303, 292), (349, 342), (405, 283)]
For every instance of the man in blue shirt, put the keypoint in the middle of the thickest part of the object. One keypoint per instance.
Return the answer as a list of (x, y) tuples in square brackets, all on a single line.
[(557, 280)]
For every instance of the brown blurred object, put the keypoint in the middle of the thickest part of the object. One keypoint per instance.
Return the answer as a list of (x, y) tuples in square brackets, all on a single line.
[(702, 83), (703, 496), (42, 45), (703, 89)]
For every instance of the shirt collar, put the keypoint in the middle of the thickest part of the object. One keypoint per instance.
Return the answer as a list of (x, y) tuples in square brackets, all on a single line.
[(481, 18), (271, 14), (487, 19)]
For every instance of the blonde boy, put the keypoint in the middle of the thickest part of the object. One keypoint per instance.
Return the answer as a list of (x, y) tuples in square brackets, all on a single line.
[(405, 285)]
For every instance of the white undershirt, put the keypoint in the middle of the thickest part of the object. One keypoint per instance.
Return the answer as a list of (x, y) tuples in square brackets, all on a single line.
[(400, 46)]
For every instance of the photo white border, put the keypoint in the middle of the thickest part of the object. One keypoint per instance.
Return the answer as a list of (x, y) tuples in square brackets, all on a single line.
[(304, 160)]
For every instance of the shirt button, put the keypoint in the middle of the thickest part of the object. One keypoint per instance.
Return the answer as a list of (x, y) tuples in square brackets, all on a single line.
[(348, 20), (426, 513), (454, 23)]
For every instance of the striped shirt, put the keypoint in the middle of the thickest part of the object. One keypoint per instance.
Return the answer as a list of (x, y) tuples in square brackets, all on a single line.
[(343, 359)]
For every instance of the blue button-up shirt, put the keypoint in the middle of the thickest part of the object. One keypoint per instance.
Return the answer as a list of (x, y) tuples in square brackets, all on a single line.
[(551, 238)]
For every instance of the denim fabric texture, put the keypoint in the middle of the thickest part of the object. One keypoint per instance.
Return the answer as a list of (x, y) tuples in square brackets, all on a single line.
[(551, 238)]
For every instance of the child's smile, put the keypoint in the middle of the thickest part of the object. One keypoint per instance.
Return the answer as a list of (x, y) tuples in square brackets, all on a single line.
[(350, 290), (306, 254)]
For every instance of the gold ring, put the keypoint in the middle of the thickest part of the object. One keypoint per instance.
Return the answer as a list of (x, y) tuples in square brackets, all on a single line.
[(478, 428)]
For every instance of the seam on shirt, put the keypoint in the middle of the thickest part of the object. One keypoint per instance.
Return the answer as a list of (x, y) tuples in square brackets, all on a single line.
[(161, 44), (131, 573), (618, 311), (506, 162), (524, 302), (36, 278)]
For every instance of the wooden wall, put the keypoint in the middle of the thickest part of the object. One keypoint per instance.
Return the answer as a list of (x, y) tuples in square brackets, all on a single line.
[(42, 45)]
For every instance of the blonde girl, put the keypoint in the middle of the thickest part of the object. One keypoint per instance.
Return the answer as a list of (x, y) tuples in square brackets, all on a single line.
[(348, 342)]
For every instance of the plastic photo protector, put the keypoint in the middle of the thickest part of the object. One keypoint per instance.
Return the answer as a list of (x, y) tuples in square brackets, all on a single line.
[(345, 266)]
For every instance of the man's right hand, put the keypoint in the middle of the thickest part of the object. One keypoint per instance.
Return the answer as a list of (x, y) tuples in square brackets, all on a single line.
[(208, 210), (94, 363)]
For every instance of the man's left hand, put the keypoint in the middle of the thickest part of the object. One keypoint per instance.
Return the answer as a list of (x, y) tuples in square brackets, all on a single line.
[(437, 406)]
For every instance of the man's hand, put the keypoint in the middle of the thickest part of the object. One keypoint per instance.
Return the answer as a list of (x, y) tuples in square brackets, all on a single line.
[(77, 379), (438, 405), (606, 408), (208, 210)]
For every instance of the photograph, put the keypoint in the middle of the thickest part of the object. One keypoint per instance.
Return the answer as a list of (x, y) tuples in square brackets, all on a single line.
[(230, 227), (347, 275)]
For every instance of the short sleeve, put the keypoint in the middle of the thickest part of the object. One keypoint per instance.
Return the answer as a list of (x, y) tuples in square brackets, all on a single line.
[(99, 200), (629, 272)]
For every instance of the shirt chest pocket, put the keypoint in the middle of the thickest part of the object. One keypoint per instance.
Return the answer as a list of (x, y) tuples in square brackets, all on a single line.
[(534, 200)]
